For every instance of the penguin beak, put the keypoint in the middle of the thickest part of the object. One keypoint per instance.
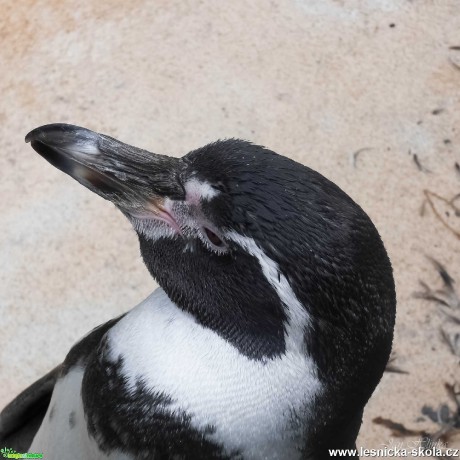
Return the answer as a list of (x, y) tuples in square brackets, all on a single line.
[(136, 180)]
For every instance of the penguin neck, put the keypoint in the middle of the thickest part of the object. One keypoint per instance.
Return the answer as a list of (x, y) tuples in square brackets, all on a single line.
[(246, 312)]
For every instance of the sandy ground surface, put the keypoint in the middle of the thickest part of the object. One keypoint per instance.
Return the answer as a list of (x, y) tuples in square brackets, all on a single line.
[(315, 80)]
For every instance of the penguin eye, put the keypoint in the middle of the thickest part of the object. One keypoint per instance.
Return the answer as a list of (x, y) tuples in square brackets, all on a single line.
[(213, 238)]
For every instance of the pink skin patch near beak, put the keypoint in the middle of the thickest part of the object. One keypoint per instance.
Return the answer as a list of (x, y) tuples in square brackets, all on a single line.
[(163, 214), (156, 210)]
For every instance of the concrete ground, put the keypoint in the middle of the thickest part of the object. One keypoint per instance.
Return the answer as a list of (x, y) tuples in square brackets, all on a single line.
[(317, 80)]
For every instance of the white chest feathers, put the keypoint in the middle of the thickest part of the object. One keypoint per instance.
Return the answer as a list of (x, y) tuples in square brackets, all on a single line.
[(257, 408)]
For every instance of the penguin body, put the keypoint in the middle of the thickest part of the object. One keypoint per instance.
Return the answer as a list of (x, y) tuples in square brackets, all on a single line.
[(193, 386), (270, 330)]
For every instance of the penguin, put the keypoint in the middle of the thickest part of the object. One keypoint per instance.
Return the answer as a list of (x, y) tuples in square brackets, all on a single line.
[(269, 331)]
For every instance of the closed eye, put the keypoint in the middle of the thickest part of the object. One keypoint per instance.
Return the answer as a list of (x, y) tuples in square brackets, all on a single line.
[(214, 241), (213, 238)]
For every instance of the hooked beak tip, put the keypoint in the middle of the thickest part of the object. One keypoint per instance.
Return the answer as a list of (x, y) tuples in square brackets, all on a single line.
[(41, 131), (69, 138), (108, 167)]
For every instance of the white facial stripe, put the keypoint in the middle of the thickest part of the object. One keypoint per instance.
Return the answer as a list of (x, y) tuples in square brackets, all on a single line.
[(298, 317), (195, 191), (249, 402)]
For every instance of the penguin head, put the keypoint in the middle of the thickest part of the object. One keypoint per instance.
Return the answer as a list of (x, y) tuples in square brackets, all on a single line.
[(263, 250)]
